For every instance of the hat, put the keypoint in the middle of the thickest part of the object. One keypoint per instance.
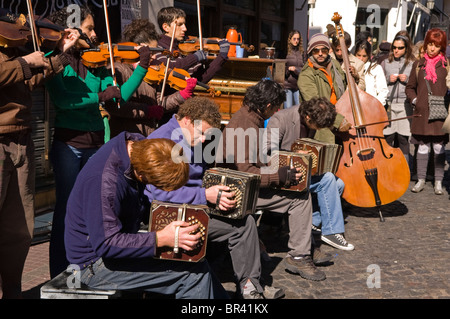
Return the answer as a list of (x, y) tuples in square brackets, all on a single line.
[(316, 40)]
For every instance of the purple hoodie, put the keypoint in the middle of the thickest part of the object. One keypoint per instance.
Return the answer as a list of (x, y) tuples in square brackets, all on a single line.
[(105, 208), (192, 192)]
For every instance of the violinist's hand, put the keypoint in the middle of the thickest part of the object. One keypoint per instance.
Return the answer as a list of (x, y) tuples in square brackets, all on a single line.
[(187, 92), (221, 196), (111, 92), (186, 240), (200, 55), (69, 39), (224, 48), (145, 55), (36, 60)]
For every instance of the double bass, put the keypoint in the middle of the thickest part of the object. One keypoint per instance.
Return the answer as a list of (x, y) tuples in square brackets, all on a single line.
[(374, 173)]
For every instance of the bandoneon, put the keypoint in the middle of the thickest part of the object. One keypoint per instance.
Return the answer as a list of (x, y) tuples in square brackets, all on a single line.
[(244, 185), (297, 160), (162, 214), (325, 156)]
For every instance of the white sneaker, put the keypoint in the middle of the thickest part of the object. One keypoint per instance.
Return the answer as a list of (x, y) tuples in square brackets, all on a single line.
[(438, 188), (420, 185)]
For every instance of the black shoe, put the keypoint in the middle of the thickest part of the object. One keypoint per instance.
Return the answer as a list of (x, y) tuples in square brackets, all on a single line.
[(316, 230), (304, 267)]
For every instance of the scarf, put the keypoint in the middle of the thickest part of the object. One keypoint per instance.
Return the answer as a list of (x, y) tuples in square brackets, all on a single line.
[(430, 66)]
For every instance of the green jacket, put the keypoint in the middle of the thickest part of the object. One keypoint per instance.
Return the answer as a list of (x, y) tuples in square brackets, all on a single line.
[(76, 99), (312, 82)]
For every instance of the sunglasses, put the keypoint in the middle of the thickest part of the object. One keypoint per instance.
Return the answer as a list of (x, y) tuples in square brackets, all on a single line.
[(398, 48), (323, 50)]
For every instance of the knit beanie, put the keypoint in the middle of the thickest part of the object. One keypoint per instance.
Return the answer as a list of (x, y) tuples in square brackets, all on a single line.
[(316, 40)]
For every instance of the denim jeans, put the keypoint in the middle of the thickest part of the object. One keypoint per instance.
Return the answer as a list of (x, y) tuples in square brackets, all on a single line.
[(184, 280), (292, 98), (67, 162), (327, 209)]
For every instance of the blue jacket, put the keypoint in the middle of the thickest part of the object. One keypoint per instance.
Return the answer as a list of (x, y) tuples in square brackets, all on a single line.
[(192, 192), (105, 208)]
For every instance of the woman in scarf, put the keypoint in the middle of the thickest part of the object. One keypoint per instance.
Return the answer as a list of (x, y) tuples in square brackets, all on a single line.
[(428, 134)]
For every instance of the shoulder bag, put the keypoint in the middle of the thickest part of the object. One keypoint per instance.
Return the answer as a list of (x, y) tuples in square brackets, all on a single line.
[(437, 105)]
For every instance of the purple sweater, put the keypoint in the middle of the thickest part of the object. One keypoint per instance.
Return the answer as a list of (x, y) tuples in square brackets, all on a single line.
[(192, 192), (105, 208)]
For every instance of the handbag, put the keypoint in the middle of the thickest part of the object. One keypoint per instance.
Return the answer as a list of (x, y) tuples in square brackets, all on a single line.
[(437, 105)]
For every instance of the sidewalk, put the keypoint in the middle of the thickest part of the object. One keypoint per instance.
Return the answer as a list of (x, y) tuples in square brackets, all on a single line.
[(404, 257)]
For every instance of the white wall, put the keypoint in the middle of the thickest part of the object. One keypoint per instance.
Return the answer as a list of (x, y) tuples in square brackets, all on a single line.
[(321, 15)]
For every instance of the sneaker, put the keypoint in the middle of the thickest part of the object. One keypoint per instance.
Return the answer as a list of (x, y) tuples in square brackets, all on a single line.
[(273, 292), (316, 230), (420, 185), (438, 188), (338, 241), (304, 267), (319, 257)]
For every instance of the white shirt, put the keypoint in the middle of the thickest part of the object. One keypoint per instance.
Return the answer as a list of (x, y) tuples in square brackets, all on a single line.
[(376, 82)]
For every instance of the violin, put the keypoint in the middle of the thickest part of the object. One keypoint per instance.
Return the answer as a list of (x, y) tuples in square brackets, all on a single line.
[(99, 56), (374, 173), (124, 52), (18, 33), (14, 33), (192, 44), (176, 78), (49, 33)]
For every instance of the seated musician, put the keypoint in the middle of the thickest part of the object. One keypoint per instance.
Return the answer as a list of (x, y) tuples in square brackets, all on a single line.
[(298, 122), (104, 212), (144, 109), (261, 101), (196, 118), (80, 130)]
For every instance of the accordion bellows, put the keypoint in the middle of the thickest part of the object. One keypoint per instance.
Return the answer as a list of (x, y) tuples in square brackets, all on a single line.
[(245, 185), (297, 160), (325, 156), (163, 213)]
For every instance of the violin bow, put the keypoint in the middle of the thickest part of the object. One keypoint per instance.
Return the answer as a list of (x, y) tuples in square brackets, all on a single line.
[(33, 27), (110, 47), (200, 34), (167, 63)]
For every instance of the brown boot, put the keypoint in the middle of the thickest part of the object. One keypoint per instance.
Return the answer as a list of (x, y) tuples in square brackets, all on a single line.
[(304, 267)]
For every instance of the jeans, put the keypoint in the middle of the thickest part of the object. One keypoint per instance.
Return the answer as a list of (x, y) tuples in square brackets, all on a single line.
[(184, 280), (67, 162), (292, 98), (327, 208)]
